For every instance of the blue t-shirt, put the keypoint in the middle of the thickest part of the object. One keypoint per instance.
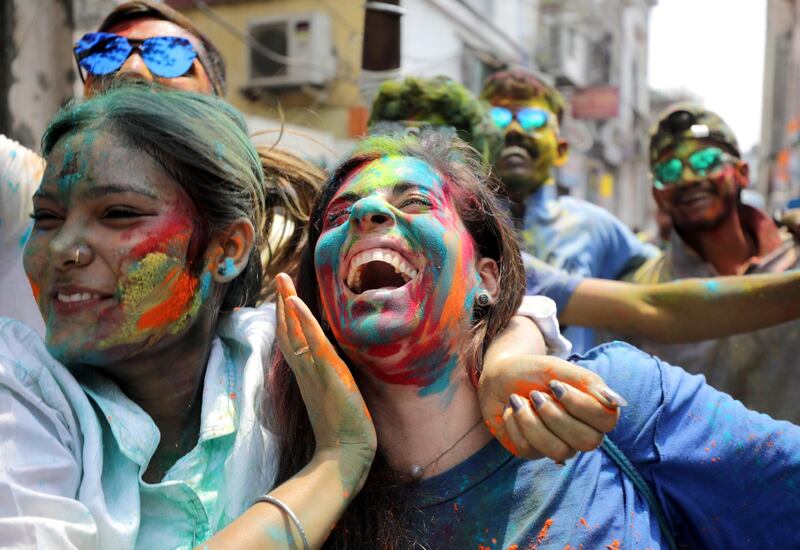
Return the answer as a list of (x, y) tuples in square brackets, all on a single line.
[(542, 279), (726, 477), (582, 239)]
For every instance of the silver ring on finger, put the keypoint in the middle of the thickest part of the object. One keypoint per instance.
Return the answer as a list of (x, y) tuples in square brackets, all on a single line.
[(301, 351)]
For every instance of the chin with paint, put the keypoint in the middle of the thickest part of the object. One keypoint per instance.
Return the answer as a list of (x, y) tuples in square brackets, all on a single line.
[(413, 268)]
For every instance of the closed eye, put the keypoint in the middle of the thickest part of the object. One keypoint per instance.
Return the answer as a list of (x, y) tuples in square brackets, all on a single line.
[(122, 212), (414, 200), (45, 219), (337, 216)]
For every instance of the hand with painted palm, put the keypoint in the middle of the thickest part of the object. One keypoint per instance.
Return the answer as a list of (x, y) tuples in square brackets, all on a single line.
[(339, 417)]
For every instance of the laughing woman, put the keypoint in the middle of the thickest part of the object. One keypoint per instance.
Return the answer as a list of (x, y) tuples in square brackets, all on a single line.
[(419, 205)]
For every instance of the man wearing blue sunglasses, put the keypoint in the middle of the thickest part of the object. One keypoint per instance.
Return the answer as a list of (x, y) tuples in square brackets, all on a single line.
[(568, 233), (697, 179), (152, 42)]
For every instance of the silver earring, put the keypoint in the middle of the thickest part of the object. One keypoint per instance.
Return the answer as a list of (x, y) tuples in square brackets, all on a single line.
[(483, 298)]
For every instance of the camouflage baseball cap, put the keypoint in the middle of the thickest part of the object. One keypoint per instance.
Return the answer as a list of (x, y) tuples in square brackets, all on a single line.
[(686, 120)]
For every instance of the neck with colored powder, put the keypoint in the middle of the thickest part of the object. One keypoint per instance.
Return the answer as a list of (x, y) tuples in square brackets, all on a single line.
[(415, 426)]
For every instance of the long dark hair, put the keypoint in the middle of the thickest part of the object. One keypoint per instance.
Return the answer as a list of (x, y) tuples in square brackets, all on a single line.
[(372, 519)]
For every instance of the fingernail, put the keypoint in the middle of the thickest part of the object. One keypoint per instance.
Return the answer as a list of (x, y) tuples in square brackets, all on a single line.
[(516, 402), (613, 397), (558, 389), (538, 399)]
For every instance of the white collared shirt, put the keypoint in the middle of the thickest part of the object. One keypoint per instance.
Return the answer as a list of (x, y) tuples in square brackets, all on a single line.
[(73, 448)]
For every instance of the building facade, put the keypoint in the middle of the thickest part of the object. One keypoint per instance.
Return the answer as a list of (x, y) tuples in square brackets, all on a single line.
[(596, 51), (778, 175)]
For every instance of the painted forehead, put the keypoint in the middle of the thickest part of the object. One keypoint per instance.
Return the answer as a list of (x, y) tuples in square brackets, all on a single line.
[(515, 103), (82, 160), (391, 171)]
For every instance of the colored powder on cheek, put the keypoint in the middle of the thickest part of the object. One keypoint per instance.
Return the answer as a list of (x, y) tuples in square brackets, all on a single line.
[(158, 294), (174, 234), (35, 289), (182, 289), (25, 236)]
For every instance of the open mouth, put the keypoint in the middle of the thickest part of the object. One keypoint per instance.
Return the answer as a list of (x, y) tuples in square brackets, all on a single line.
[(515, 153), (379, 269)]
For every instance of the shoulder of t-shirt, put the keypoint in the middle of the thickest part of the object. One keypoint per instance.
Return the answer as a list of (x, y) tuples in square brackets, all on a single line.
[(647, 383)]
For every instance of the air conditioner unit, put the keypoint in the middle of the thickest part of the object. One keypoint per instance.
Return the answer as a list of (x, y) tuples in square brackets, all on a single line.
[(295, 50)]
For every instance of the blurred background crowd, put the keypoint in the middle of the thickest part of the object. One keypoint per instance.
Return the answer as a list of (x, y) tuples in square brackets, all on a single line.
[(617, 62)]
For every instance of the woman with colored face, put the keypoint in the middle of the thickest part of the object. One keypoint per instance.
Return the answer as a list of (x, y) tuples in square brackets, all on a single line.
[(139, 422), (412, 266)]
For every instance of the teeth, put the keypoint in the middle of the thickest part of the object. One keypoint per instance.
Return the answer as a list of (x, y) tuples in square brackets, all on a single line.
[(391, 257), (79, 297)]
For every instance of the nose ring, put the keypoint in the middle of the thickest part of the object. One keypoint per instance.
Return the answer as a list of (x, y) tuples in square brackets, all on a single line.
[(77, 259)]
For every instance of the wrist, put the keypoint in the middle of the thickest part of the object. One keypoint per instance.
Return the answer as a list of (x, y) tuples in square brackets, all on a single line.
[(351, 462)]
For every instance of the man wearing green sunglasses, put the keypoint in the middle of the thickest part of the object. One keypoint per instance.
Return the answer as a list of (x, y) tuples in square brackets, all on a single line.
[(568, 233), (697, 179)]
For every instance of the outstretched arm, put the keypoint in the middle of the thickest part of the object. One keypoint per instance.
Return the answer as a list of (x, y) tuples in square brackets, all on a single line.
[(688, 310)]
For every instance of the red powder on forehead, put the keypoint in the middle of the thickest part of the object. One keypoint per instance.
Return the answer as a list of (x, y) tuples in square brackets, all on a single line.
[(173, 308)]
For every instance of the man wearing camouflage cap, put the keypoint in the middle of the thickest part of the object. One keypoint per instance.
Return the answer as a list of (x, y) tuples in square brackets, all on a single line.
[(697, 178)]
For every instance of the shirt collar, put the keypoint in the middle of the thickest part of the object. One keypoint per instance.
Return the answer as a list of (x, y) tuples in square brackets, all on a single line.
[(135, 432), (542, 205)]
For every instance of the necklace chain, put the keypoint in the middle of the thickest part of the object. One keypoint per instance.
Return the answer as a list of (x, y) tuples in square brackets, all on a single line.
[(416, 470)]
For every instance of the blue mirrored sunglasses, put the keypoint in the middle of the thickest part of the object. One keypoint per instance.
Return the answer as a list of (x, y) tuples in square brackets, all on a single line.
[(102, 53), (530, 118)]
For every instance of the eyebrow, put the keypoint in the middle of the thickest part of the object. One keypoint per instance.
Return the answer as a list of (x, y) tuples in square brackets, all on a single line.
[(106, 189)]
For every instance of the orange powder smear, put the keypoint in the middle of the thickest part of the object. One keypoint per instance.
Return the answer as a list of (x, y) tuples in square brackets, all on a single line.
[(584, 522), (35, 288), (543, 533), (615, 545), (176, 306)]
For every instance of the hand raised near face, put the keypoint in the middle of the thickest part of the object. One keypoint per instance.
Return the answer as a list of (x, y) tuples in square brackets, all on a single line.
[(337, 412), (537, 405)]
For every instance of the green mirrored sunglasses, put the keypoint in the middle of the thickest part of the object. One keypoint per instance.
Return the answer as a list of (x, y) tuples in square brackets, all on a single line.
[(701, 163)]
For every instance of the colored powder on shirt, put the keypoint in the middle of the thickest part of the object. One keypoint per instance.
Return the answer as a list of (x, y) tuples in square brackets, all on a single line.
[(543, 533), (615, 545)]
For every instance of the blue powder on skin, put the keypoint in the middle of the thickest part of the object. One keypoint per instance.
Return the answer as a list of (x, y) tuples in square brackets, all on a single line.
[(713, 287), (230, 268)]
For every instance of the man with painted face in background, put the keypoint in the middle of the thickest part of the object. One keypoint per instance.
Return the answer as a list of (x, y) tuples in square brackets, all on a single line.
[(697, 177), (572, 234)]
